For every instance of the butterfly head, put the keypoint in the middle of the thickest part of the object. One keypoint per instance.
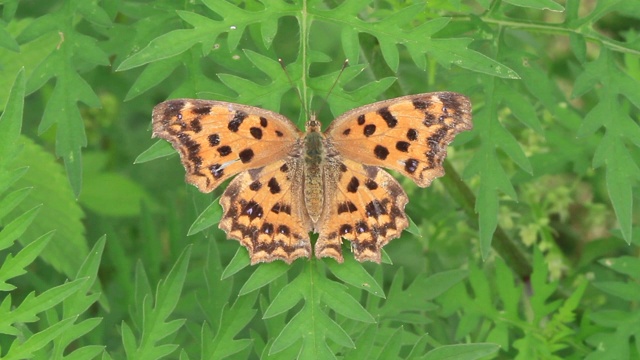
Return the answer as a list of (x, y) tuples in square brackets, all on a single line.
[(313, 125)]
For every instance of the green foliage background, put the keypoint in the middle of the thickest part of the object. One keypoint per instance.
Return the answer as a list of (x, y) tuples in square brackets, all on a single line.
[(527, 249)]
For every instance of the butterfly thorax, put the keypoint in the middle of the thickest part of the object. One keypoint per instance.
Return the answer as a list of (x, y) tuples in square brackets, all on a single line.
[(314, 153)]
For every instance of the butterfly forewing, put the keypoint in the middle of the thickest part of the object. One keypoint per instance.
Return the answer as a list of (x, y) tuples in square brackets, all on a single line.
[(409, 134), (217, 140)]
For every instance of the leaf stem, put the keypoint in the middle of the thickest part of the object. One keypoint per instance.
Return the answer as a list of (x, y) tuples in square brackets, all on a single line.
[(502, 243)]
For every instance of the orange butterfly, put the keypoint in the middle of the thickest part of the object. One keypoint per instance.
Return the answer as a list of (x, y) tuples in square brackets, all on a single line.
[(290, 182)]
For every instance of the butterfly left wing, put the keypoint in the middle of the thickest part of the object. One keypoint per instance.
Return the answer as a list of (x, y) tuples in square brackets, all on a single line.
[(262, 209), (408, 134), (217, 139)]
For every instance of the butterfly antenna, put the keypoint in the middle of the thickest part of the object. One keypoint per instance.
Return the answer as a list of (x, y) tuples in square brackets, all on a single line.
[(284, 68), (326, 98)]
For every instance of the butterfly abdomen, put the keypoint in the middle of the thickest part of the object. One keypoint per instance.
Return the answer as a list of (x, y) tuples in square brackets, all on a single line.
[(313, 174)]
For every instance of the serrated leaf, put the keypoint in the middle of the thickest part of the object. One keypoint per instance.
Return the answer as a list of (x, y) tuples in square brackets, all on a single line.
[(25, 350), (354, 274), (286, 299), (335, 296), (60, 211), (151, 76), (32, 305), (15, 266), (164, 47), (263, 275), (17, 227), (233, 320), (11, 200)]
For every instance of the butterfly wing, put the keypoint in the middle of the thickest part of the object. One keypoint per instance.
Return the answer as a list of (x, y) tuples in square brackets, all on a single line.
[(217, 139), (364, 205), (262, 208), (262, 205), (409, 134)]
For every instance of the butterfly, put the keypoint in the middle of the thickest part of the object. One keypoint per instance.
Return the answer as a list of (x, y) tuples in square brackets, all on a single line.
[(291, 182)]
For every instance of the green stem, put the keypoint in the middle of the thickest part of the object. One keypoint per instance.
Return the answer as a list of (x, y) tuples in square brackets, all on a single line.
[(502, 243)]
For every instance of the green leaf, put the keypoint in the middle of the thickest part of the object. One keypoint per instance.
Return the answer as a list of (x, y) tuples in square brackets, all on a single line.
[(32, 305), (111, 194), (25, 350), (263, 275), (151, 76), (462, 352), (15, 266), (240, 261), (12, 200), (209, 217), (11, 120), (627, 265), (354, 274), (155, 326), (60, 210), (626, 291), (537, 4), (233, 320), (159, 149), (17, 227)]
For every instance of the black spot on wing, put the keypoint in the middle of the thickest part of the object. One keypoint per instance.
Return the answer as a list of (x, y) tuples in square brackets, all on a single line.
[(273, 185), (263, 122), (216, 171), (253, 210), (346, 206), (411, 165), (420, 104), (412, 134), (267, 228), (375, 208), (237, 120), (451, 100), (201, 110), (361, 119), (381, 152), (255, 186), (369, 130), (284, 208), (402, 146), (256, 133), (246, 155), (196, 126), (284, 230), (224, 150), (370, 184), (361, 227), (173, 108), (345, 229), (353, 185), (214, 140), (388, 117)]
